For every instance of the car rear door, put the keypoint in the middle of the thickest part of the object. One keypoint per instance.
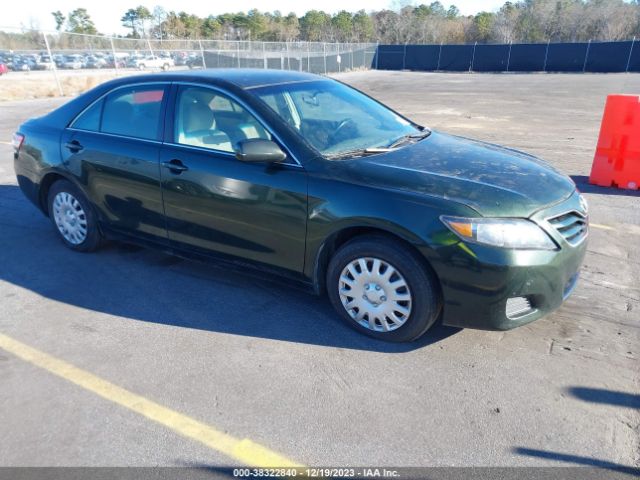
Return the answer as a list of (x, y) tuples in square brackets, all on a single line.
[(113, 149), (216, 203)]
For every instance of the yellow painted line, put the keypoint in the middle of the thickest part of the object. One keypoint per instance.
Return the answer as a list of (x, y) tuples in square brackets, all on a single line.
[(243, 450), (603, 227)]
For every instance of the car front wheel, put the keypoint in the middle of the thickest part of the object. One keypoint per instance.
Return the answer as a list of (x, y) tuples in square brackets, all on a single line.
[(73, 217), (382, 289)]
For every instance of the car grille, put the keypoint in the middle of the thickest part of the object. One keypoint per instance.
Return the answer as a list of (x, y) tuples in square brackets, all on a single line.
[(572, 226)]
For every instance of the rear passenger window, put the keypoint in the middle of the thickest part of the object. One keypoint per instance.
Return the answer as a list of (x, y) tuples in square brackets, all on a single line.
[(133, 112), (90, 118)]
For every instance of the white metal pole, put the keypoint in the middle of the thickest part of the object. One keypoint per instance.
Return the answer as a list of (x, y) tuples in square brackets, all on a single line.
[(404, 57), (53, 64), (473, 57), (113, 52), (586, 57), (204, 64), (264, 55), (546, 55), (324, 53), (509, 57), (288, 61), (630, 52), (149, 43)]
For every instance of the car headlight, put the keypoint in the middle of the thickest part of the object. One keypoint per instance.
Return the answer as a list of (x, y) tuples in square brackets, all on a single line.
[(584, 204), (500, 232)]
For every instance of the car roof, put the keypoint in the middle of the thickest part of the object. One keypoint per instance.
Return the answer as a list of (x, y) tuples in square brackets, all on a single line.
[(245, 78)]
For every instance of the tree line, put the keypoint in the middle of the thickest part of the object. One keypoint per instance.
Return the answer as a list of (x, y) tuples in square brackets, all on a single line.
[(518, 21)]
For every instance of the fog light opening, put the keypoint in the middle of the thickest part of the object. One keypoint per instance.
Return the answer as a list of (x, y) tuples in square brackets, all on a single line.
[(518, 307)]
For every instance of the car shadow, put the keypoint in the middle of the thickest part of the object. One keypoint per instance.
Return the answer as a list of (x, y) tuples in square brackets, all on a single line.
[(606, 397), (578, 460), (582, 182), (150, 286)]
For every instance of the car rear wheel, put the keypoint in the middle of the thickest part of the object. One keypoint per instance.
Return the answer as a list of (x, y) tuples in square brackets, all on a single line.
[(73, 217), (382, 289), (165, 67)]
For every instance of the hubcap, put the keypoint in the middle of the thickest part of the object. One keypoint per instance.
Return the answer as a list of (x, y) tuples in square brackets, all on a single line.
[(375, 294), (70, 218)]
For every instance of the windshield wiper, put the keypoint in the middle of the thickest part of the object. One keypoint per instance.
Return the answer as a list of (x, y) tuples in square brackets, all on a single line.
[(409, 138), (362, 152)]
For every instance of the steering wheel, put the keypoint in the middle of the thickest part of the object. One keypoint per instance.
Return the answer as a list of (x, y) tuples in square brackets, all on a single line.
[(333, 136)]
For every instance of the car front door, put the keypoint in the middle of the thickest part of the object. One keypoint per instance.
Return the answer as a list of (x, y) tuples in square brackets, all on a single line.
[(113, 149), (216, 203)]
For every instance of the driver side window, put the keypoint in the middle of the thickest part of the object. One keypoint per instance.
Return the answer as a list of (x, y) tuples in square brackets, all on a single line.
[(207, 119)]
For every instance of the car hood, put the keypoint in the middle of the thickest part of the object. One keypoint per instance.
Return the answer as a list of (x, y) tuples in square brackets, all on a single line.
[(493, 180)]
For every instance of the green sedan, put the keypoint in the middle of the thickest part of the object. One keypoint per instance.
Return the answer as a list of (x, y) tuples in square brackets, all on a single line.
[(301, 176)]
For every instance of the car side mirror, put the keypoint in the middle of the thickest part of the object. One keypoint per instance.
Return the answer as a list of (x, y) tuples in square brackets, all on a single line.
[(259, 150)]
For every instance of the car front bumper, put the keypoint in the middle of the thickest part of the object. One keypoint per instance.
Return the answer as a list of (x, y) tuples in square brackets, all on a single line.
[(498, 289)]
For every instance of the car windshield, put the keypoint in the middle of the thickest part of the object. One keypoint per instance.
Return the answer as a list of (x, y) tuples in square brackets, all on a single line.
[(335, 119)]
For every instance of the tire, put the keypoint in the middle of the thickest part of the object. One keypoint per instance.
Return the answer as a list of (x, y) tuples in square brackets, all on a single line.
[(141, 66), (165, 67), (406, 317), (68, 217)]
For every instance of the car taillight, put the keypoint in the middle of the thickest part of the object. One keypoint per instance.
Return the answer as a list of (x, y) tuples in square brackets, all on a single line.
[(17, 141)]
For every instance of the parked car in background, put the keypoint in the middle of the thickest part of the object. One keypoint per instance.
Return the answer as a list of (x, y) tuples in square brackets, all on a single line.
[(95, 62), (23, 64), (151, 61), (180, 58), (306, 177), (133, 59), (8, 61), (44, 62), (3, 68), (195, 61), (119, 62), (58, 59), (73, 62)]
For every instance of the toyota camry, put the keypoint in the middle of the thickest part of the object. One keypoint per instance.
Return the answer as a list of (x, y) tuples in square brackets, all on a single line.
[(304, 177)]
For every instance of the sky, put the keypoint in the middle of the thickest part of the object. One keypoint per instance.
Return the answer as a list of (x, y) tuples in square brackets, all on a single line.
[(106, 14)]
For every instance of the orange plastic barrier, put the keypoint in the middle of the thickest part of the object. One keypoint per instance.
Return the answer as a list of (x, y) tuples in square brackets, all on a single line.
[(617, 159)]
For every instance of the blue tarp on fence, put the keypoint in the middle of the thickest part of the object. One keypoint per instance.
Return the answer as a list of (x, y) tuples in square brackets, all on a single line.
[(522, 57), (527, 57), (490, 58), (422, 57)]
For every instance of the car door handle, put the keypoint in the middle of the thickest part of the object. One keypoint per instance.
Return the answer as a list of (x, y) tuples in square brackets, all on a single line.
[(74, 146), (176, 166)]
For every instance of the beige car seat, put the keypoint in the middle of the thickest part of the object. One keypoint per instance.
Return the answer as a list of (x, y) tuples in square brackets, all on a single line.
[(198, 128)]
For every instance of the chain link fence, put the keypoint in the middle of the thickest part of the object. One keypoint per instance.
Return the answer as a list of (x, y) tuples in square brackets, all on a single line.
[(65, 54)]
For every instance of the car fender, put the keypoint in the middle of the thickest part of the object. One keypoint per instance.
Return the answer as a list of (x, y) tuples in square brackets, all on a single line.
[(320, 253)]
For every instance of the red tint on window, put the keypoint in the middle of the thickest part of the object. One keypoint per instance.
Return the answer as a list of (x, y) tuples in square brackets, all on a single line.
[(147, 96)]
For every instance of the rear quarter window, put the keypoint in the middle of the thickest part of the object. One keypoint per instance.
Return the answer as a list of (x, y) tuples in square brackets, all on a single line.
[(90, 118)]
